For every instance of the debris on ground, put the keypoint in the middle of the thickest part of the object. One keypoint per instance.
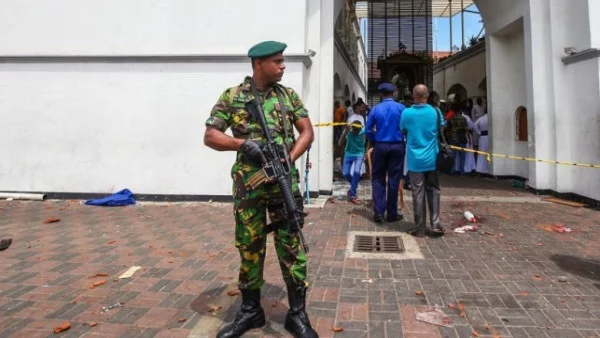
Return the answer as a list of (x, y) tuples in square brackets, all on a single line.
[(129, 272), (110, 307), (561, 229), (62, 327), (419, 293), (51, 220), (465, 228), (470, 217), (368, 280), (435, 317), (181, 320), (214, 308), (5, 243), (337, 329), (98, 275), (92, 324), (564, 202), (98, 283), (562, 279), (233, 293)]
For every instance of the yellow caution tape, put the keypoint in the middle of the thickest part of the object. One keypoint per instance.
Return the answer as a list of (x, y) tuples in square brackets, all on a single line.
[(487, 155)]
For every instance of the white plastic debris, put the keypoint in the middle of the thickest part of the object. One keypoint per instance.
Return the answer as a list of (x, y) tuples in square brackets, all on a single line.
[(129, 272), (470, 217), (435, 317), (368, 280), (465, 228)]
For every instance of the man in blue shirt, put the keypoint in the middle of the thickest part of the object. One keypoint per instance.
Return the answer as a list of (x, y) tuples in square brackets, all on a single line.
[(383, 130), (421, 124)]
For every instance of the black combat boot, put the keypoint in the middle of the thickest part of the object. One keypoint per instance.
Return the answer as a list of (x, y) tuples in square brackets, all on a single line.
[(296, 321), (250, 316)]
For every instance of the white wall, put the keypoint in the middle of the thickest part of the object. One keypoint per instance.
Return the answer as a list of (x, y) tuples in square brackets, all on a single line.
[(347, 77), (577, 103), (103, 127), (81, 126), (508, 82), (146, 26), (469, 73)]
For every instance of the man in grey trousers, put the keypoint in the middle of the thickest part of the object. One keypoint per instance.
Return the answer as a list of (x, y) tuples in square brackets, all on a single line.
[(421, 124)]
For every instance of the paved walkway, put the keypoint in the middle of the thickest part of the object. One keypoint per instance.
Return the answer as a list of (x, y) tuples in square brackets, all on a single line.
[(507, 278)]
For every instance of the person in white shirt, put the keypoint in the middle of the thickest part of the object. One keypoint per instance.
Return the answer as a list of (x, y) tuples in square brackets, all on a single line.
[(481, 128), (477, 112)]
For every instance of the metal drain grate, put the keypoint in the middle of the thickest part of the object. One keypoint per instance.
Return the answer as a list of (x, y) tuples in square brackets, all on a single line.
[(378, 244)]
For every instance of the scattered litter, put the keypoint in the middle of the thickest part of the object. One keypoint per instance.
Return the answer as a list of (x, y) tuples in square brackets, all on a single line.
[(98, 275), (488, 233), (561, 229), (523, 294), (51, 220), (98, 283), (233, 293), (111, 242), (5, 243), (211, 255), (214, 308), (129, 272), (470, 217), (368, 280), (62, 327), (465, 228), (562, 279), (110, 307), (337, 329), (475, 333), (419, 293), (540, 244), (435, 317), (92, 324), (181, 320), (120, 198)]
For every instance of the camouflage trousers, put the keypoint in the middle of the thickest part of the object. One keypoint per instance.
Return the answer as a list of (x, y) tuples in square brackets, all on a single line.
[(250, 208)]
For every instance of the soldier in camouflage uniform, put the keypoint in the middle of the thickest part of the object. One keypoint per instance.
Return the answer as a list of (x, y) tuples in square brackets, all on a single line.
[(254, 196)]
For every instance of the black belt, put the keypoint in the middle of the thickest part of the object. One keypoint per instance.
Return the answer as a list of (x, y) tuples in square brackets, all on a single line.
[(484, 133)]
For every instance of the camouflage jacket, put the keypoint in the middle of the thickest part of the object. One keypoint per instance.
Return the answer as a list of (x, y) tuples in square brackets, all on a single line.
[(230, 111)]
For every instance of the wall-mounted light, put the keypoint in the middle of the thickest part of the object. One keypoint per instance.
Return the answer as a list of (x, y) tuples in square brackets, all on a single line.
[(570, 50)]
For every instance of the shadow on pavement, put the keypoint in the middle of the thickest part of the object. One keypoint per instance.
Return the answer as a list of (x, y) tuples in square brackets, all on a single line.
[(586, 268)]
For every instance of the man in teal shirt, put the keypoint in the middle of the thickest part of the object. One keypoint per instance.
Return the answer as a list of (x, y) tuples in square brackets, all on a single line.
[(420, 123)]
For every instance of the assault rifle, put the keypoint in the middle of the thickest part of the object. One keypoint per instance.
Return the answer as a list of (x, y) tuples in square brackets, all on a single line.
[(277, 167)]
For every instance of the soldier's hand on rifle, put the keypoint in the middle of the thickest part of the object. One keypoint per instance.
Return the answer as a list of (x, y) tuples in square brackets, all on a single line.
[(252, 151)]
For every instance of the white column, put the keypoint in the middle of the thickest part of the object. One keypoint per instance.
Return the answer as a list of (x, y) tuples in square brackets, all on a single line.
[(594, 13), (312, 94), (324, 135), (539, 84)]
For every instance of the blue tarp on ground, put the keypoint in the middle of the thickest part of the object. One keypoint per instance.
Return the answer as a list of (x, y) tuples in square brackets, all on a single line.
[(120, 198)]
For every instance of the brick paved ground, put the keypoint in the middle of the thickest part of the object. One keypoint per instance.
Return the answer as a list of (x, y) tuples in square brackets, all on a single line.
[(506, 278)]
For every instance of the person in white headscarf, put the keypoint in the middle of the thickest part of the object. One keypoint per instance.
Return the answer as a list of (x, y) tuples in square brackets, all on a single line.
[(481, 128)]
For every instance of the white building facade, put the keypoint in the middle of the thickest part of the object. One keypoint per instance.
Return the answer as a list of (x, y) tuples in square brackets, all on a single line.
[(98, 96)]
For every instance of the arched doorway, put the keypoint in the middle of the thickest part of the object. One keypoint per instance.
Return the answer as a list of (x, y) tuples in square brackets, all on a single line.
[(347, 93), (459, 92), (338, 92)]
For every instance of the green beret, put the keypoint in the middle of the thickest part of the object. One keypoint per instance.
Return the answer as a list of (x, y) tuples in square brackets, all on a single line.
[(266, 48)]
